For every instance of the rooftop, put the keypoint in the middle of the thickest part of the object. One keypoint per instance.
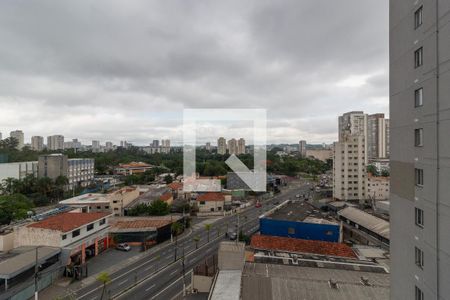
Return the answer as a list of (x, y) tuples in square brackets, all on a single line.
[(133, 224), (298, 211), (135, 165), (68, 221), (175, 186), (166, 196), (86, 198), (227, 285), (269, 281), (211, 197), (266, 242), (366, 220)]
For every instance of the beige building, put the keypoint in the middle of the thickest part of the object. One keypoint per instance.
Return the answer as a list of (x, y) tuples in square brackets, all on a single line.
[(37, 143), (377, 136), (320, 154), (211, 204), (241, 146), (232, 147), (221, 146), (378, 187), (55, 142), (19, 136)]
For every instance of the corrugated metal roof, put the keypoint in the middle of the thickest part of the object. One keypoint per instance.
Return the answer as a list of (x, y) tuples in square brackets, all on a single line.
[(227, 285), (366, 220)]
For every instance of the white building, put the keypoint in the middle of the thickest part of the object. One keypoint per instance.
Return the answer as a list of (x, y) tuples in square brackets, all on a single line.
[(18, 170), (377, 136), (302, 148), (241, 146), (37, 143), (19, 136), (55, 142), (232, 146)]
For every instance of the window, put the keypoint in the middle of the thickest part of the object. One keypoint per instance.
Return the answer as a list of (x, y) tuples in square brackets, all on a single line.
[(75, 233), (419, 257), (418, 97), (419, 294), (418, 15), (418, 57), (102, 222), (202, 202), (419, 177), (99, 207), (418, 216), (64, 236), (90, 227), (418, 137)]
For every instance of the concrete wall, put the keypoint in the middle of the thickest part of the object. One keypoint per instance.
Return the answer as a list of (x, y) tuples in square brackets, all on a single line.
[(202, 283), (18, 170), (301, 230), (6, 242)]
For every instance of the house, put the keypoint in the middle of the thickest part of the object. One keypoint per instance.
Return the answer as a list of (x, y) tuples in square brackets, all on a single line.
[(132, 168), (121, 198), (377, 187), (211, 204), (76, 232), (167, 197)]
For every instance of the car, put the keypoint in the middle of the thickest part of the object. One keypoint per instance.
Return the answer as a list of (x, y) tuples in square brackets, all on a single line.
[(123, 247), (232, 235)]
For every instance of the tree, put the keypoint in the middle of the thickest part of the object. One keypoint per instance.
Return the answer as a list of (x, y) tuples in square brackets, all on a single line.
[(372, 170), (104, 279), (168, 179), (196, 240), (385, 173), (176, 228), (61, 183), (14, 207), (208, 229), (159, 208)]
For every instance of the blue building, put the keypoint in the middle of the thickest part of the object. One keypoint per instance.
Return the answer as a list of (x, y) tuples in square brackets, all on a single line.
[(300, 220)]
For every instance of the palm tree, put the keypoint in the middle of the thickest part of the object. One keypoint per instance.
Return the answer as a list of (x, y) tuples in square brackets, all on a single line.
[(104, 278), (196, 240), (176, 229), (208, 229)]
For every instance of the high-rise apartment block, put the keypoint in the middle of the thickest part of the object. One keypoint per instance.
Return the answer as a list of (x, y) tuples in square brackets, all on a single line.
[(55, 142), (377, 136), (241, 146), (221, 146), (350, 158), (208, 147), (420, 149), (19, 136), (37, 143), (232, 147), (302, 148), (109, 146)]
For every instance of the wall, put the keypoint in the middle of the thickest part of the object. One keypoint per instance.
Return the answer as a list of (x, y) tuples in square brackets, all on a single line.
[(307, 231), (6, 242), (17, 170)]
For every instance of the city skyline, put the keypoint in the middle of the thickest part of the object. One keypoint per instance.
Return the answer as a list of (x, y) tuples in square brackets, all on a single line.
[(102, 86)]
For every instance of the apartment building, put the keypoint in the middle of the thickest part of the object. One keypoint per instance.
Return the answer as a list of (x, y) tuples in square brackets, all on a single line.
[(19, 136), (221, 146), (55, 142), (302, 148), (37, 143), (377, 136), (241, 146), (377, 187), (420, 148), (350, 158), (232, 147)]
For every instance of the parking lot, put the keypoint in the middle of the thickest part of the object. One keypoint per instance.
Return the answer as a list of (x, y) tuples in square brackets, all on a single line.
[(107, 258)]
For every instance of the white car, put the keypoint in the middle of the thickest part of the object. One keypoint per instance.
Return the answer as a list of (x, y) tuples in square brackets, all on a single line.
[(123, 247)]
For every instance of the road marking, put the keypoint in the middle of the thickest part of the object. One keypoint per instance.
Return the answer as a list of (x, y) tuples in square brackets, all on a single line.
[(148, 268), (148, 289), (123, 282), (174, 272)]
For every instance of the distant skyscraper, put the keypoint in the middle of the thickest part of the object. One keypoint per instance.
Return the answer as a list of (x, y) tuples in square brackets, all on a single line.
[(18, 135), (0, 136), (241, 146), (108, 146), (350, 158), (55, 142), (221, 146), (208, 146), (302, 148), (155, 143), (232, 146), (95, 145), (420, 149), (377, 136), (37, 143), (165, 146)]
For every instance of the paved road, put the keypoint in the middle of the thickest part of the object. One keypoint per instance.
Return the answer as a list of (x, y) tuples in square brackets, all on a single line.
[(159, 276)]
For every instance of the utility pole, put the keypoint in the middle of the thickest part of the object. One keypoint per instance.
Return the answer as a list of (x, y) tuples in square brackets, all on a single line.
[(36, 269)]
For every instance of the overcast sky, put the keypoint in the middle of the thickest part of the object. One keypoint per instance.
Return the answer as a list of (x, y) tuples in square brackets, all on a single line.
[(124, 70)]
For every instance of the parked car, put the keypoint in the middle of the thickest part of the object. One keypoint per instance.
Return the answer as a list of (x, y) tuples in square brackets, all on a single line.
[(232, 235), (123, 247)]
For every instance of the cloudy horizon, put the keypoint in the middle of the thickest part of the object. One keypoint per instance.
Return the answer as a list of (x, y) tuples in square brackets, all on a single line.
[(125, 70)]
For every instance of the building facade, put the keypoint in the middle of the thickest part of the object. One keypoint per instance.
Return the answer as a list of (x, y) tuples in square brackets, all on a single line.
[(350, 158), (37, 143), (221, 146), (378, 187), (19, 136), (377, 136), (55, 142), (232, 147), (302, 148), (241, 146), (420, 148)]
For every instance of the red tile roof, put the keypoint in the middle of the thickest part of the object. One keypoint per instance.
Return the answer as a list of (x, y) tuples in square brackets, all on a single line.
[(166, 196), (135, 165), (137, 224), (175, 186), (266, 242), (211, 197), (68, 221)]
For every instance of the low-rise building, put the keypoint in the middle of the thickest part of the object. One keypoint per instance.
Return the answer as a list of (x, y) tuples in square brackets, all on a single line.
[(76, 232), (211, 204), (18, 170), (132, 168), (167, 197), (320, 154), (378, 187), (122, 198)]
